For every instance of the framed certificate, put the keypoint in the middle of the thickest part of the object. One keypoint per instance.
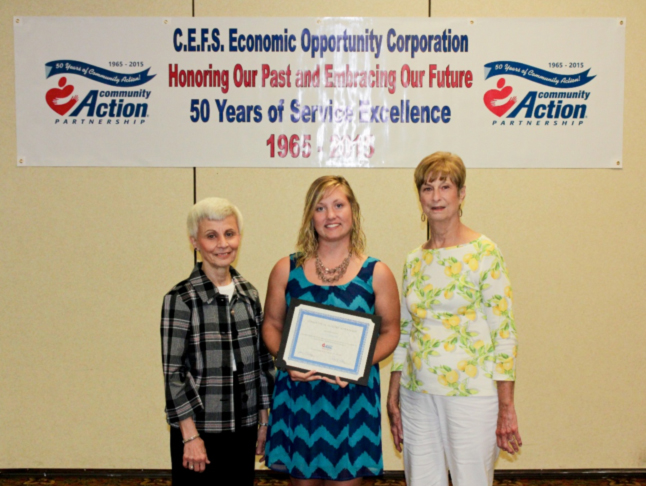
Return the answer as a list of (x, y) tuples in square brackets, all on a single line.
[(332, 341)]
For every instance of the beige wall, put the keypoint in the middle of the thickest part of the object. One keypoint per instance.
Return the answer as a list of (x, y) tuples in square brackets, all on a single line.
[(87, 253)]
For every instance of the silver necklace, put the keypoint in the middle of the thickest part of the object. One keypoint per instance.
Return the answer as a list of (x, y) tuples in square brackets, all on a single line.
[(331, 275)]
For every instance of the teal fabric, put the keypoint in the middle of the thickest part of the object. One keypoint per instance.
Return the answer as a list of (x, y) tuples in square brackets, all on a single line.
[(318, 430)]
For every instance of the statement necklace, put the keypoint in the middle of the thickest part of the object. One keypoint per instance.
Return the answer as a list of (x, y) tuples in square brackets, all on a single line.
[(331, 275)]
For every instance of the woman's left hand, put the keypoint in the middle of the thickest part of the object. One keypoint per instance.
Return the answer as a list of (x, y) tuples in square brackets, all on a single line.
[(263, 415), (507, 435), (336, 381), (261, 441)]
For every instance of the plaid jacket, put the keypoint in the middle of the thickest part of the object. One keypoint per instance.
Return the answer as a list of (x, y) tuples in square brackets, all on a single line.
[(199, 327)]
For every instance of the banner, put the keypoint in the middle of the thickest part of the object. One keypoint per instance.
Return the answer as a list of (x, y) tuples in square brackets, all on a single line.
[(318, 92)]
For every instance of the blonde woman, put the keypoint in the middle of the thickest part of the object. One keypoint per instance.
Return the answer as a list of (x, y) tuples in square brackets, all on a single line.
[(451, 394), (322, 431)]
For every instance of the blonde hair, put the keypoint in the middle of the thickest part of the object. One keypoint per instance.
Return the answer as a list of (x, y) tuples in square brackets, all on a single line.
[(307, 244), (213, 209), (442, 165)]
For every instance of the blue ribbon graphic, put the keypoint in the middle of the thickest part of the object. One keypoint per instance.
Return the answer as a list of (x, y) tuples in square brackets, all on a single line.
[(95, 73), (537, 75)]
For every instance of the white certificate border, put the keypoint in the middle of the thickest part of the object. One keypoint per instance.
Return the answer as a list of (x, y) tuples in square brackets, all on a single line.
[(292, 360)]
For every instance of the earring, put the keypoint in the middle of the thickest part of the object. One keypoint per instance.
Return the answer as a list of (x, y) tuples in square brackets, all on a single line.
[(460, 210), (423, 218)]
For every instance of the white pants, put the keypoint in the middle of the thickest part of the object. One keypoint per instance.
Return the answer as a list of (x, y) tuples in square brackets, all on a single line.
[(454, 433)]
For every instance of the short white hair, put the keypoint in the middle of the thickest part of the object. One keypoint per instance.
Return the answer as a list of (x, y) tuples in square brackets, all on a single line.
[(213, 209)]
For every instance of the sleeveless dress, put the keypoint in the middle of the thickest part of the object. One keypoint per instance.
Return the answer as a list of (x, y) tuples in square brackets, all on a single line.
[(318, 430)]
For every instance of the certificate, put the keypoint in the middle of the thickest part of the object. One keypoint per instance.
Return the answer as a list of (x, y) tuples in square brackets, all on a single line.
[(332, 341)]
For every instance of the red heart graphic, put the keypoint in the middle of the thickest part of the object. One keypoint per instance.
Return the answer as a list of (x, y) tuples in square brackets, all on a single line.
[(493, 96), (55, 95)]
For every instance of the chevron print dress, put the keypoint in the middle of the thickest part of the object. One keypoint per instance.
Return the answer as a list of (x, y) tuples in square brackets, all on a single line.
[(318, 430)]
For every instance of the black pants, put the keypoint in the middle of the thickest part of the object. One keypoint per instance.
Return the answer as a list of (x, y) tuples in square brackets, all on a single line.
[(232, 456)]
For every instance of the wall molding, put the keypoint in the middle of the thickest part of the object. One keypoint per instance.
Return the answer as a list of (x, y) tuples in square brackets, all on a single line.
[(499, 474)]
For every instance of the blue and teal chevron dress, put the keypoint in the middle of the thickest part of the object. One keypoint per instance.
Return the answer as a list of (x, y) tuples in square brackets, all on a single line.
[(318, 430)]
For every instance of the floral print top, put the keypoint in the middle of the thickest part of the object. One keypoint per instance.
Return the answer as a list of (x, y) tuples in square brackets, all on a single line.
[(457, 325)]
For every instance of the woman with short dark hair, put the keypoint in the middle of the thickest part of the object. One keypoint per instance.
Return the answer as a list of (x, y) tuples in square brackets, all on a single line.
[(451, 395)]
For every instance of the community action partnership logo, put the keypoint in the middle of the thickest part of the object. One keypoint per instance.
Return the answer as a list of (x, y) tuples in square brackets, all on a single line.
[(562, 105), (112, 105)]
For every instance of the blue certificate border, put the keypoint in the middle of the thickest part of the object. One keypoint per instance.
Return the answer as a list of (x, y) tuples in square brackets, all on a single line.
[(369, 341), (304, 313)]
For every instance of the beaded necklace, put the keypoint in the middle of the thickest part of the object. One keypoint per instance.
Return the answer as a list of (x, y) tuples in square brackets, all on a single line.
[(331, 275)]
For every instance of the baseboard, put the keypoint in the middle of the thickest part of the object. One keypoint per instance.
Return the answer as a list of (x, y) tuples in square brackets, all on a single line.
[(568, 473), (88, 473), (508, 474)]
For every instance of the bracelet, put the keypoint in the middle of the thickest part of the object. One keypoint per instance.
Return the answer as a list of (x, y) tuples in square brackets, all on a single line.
[(263, 424), (184, 441)]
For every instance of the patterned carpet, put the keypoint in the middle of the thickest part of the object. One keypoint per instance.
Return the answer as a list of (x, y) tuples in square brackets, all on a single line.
[(264, 481)]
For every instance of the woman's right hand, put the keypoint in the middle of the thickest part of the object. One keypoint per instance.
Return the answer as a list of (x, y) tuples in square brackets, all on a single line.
[(195, 457), (394, 412), (312, 376), (300, 376)]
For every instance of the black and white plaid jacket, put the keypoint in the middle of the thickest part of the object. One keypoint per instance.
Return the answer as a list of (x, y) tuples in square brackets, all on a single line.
[(199, 328)]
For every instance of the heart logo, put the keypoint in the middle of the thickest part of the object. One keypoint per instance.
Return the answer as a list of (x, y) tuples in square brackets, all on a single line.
[(55, 97), (494, 97)]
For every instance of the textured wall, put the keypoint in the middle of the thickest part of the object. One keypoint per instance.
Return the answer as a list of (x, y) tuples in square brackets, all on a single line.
[(87, 254)]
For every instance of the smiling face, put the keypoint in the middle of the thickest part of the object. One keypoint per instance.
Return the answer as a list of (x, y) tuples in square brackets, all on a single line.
[(332, 216), (440, 199), (217, 242)]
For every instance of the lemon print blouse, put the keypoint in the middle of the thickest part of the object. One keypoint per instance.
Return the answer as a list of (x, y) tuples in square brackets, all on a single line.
[(457, 325)]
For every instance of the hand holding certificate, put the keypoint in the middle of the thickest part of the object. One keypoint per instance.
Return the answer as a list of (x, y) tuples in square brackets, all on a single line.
[(332, 341)]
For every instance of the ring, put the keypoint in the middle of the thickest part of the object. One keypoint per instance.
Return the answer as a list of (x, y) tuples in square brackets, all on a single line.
[(190, 466), (511, 439)]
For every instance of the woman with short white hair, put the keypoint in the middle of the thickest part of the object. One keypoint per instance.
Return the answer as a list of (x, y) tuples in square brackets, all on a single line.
[(218, 374)]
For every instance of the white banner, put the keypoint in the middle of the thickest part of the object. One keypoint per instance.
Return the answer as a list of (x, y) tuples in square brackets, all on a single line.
[(326, 92)]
